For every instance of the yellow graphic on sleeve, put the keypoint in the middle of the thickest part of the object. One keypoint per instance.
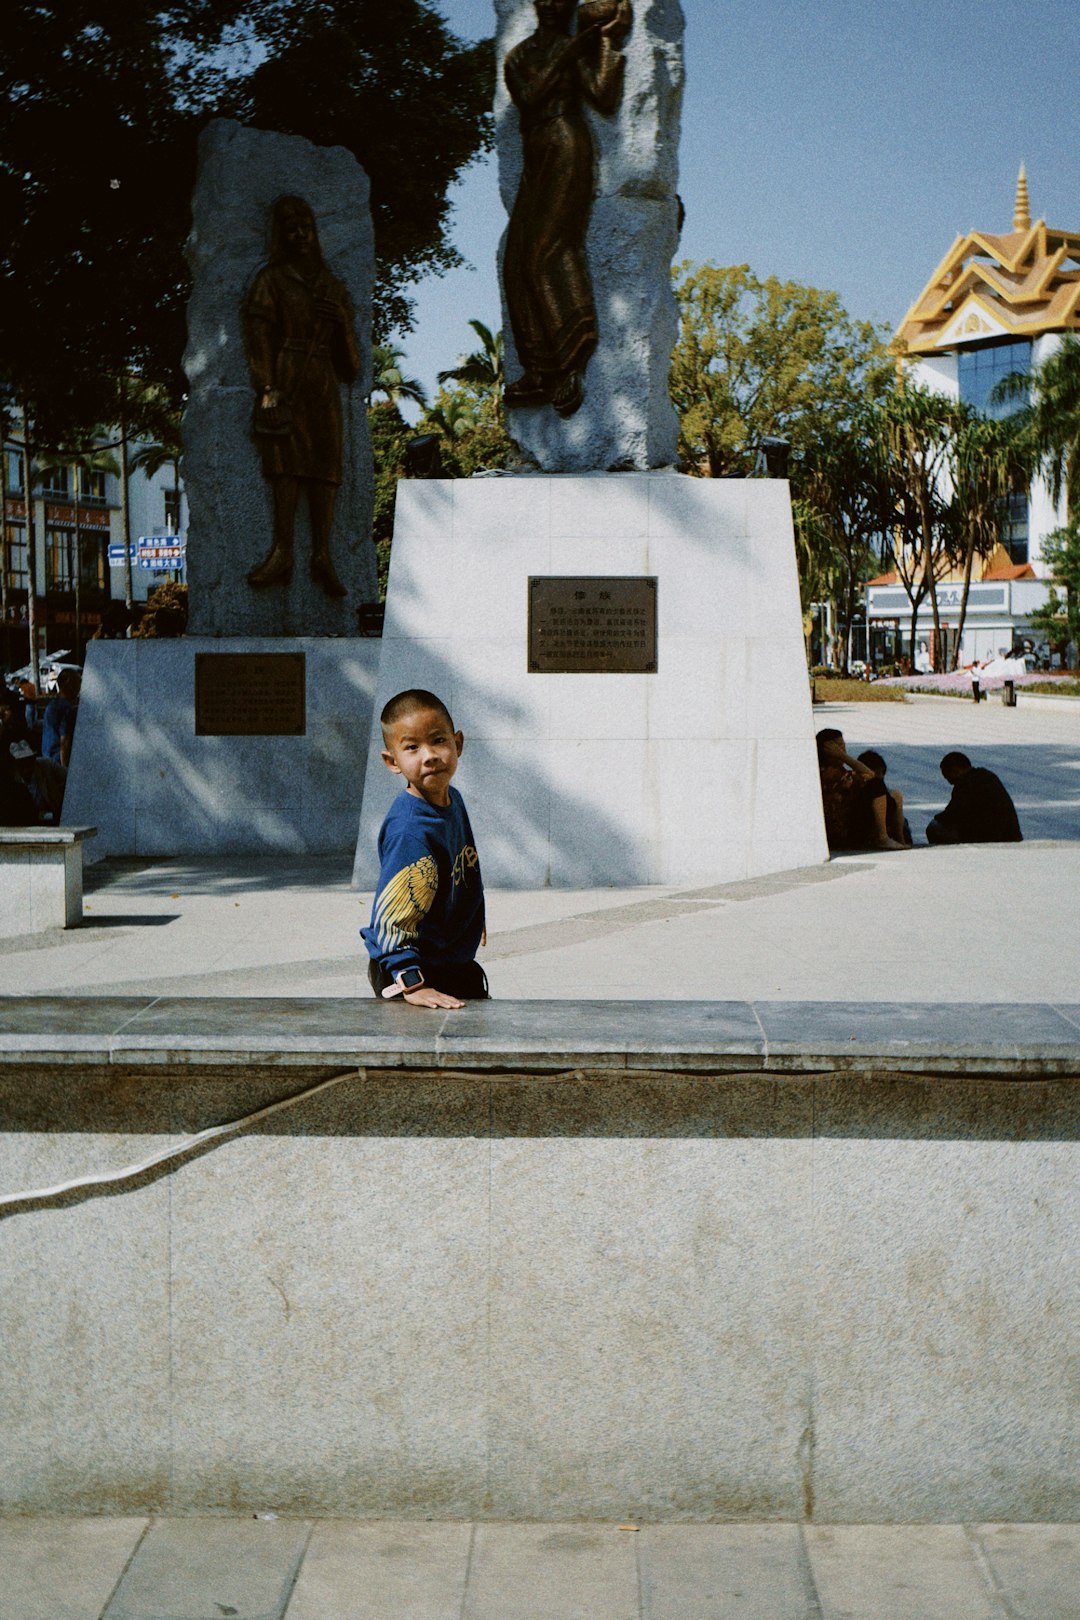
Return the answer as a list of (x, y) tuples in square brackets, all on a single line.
[(404, 903)]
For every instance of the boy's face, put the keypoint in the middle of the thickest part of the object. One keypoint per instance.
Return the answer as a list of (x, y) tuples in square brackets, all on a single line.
[(422, 748)]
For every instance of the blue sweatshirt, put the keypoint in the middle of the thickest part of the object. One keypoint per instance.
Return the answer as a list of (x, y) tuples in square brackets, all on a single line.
[(429, 905)]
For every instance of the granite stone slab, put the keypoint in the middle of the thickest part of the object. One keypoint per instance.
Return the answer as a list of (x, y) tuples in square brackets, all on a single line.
[(1017, 1038), (266, 1029), (391, 1570), (604, 1033), (1022, 1041), (899, 1572), (202, 1569), (581, 1571), (68, 1029), (724, 1572), (84, 1322), (355, 1260), (1037, 1566), (945, 1223), (672, 1255), (62, 1569)]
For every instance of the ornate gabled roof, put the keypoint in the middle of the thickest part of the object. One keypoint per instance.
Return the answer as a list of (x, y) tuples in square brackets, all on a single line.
[(1020, 284)]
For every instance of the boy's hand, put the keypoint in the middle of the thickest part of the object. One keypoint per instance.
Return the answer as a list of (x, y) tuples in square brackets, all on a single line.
[(425, 996)]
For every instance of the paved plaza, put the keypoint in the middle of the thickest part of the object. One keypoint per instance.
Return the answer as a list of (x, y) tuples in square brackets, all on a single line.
[(963, 924), (204, 1569)]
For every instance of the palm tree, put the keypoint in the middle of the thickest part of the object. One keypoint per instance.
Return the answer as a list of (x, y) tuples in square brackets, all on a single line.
[(483, 369), (1048, 421), (388, 378), (452, 417), (987, 467), (919, 427)]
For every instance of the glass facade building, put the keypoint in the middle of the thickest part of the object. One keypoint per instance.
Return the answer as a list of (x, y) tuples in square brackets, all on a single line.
[(981, 369)]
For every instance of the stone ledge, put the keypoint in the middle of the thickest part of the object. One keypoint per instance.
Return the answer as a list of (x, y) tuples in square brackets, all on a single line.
[(1020, 1041)]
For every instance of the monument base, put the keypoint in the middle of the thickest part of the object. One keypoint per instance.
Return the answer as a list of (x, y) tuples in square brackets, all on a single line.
[(701, 772), (159, 788)]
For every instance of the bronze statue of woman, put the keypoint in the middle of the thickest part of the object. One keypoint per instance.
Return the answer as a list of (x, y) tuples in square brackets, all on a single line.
[(545, 270), (301, 346)]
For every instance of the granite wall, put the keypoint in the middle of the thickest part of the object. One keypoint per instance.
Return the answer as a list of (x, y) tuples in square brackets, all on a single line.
[(575, 1294)]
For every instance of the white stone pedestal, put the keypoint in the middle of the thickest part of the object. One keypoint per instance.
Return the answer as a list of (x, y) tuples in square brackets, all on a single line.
[(704, 772), (155, 788)]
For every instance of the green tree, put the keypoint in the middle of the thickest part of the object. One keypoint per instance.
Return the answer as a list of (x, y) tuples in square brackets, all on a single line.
[(764, 359), (483, 371), (986, 467), (390, 434), (1047, 422), (918, 428), (1059, 617), (100, 108), (388, 379), (843, 504)]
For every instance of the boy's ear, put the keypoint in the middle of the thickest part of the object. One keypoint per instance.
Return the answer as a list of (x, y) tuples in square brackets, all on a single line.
[(390, 762), (459, 742)]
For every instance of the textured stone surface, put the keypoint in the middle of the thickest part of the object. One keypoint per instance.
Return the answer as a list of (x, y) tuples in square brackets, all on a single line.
[(585, 1572), (202, 1569), (157, 788), (593, 1294), (373, 1571), (62, 1569), (627, 418), (1037, 1566), (703, 772), (41, 880), (241, 174), (724, 1572), (894, 1572)]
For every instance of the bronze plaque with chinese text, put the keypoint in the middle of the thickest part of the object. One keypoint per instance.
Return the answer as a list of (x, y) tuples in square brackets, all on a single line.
[(249, 695), (595, 625)]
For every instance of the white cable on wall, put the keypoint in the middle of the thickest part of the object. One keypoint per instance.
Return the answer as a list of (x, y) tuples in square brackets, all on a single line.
[(212, 1133)]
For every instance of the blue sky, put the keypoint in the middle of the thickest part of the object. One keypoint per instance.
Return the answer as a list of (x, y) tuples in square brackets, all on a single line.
[(840, 143)]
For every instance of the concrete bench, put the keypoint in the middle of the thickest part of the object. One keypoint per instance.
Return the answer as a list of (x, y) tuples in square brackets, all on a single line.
[(41, 878)]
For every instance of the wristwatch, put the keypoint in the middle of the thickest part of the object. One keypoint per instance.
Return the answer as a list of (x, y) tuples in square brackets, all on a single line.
[(406, 978)]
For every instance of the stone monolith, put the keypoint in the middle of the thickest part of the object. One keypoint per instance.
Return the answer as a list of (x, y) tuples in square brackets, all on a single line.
[(627, 420), (242, 173)]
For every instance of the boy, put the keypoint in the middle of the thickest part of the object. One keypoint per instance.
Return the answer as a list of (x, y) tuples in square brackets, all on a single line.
[(428, 914)]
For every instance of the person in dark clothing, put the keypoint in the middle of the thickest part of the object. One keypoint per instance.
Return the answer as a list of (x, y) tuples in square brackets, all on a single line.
[(855, 800), (980, 810), (895, 819)]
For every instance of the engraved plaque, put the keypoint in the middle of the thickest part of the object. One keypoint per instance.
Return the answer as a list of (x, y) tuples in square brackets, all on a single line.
[(596, 625), (249, 695)]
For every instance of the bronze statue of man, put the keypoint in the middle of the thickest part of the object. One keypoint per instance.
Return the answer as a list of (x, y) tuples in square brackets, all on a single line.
[(301, 346), (545, 270)]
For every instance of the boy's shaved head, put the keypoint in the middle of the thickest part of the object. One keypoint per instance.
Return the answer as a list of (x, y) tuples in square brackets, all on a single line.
[(410, 702)]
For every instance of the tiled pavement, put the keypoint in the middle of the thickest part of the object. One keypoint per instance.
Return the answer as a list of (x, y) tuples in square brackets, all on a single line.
[(276, 1569)]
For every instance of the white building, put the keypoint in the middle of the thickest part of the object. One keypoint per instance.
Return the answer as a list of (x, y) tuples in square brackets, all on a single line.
[(996, 304), (85, 509)]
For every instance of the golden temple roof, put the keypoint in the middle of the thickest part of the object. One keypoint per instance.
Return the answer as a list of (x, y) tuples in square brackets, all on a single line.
[(1019, 284)]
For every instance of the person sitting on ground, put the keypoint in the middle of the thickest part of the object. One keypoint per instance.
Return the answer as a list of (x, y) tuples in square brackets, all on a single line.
[(980, 810), (427, 919), (895, 820), (854, 800)]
